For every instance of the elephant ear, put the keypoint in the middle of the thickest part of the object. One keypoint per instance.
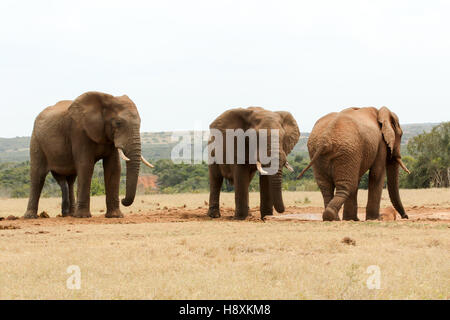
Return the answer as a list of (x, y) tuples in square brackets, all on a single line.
[(87, 110), (292, 133), (387, 127)]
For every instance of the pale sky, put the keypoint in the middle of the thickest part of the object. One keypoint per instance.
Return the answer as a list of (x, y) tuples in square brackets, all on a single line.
[(185, 62)]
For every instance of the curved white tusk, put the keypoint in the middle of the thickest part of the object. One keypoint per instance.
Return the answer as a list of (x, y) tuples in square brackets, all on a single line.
[(260, 169), (148, 164), (122, 155), (288, 166), (400, 162)]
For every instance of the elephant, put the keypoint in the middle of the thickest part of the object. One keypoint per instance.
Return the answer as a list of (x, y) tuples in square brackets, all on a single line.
[(343, 146), (241, 174), (71, 136)]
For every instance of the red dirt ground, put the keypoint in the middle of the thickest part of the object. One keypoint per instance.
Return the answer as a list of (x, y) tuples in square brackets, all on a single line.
[(181, 214)]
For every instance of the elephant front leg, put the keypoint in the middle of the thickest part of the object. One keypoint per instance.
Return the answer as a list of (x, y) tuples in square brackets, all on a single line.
[(111, 166), (71, 182), (215, 184), (376, 182), (241, 183), (85, 170), (265, 196)]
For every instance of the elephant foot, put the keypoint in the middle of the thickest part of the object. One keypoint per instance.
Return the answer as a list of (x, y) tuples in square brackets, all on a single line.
[(330, 215), (266, 211), (82, 213), (30, 215), (372, 217), (67, 213), (264, 214), (241, 212), (214, 212), (405, 216), (114, 214), (351, 219)]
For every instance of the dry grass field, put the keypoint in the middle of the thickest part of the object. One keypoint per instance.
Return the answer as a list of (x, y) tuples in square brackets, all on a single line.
[(166, 248)]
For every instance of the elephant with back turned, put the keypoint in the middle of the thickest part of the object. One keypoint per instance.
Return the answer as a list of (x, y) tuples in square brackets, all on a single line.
[(343, 146), (71, 136), (240, 175)]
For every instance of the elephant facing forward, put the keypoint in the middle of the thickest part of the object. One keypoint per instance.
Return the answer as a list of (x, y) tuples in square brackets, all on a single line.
[(71, 136), (343, 146), (240, 175)]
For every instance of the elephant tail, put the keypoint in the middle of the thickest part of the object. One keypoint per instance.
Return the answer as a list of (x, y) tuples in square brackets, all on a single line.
[(316, 155)]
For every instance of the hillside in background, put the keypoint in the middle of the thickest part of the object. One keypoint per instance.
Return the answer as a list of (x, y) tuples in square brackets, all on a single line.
[(158, 145)]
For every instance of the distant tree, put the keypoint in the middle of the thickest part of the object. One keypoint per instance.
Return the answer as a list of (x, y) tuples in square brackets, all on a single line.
[(431, 163)]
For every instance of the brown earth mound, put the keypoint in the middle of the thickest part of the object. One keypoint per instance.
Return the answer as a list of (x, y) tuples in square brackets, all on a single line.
[(148, 182)]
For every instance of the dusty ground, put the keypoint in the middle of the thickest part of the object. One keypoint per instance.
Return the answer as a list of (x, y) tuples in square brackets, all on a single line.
[(166, 248)]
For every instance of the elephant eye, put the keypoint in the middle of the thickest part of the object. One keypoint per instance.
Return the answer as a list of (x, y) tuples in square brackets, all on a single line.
[(118, 123)]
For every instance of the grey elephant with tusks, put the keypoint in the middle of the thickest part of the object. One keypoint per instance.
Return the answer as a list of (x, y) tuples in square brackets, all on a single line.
[(257, 120), (71, 136)]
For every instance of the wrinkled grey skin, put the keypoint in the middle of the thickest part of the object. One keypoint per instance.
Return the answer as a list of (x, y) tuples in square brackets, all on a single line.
[(343, 146), (240, 175), (71, 136)]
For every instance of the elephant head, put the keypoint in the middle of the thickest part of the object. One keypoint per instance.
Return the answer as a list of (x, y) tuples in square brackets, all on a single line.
[(258, 118), (392, 135), (112, 120)]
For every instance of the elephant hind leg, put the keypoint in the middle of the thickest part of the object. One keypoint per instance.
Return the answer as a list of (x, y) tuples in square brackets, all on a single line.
[(326, 186), (351, 207), (345, 178), (332, 209), (62, 181), (327, 189), (38, 172)]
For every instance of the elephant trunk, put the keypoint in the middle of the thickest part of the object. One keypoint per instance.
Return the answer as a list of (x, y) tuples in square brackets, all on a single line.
[(392, 170), (275, 183), (133, 152)]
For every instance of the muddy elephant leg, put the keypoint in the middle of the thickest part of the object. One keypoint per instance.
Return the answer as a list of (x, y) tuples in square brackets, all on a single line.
[(70, 183), (346, 178), (38, 173), (241, 184), (351, 207), (376, 182), (85, 170), (332, 210), (215, 185), (62, 181), (111, 166), (265, 196)]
